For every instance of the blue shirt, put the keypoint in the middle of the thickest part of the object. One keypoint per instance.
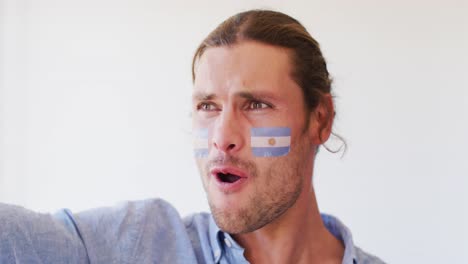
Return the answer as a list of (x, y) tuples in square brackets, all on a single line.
[(149, 231)]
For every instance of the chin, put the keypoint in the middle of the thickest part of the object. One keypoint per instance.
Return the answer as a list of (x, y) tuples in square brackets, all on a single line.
[(224, 202), (228, 220), (230, 213)]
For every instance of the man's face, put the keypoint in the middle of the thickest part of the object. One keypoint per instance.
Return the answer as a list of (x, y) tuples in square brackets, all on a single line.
[(237, 88)]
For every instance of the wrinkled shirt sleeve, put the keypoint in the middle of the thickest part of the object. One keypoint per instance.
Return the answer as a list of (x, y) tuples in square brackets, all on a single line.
[(143, 232), (148, 231), (30, 237)]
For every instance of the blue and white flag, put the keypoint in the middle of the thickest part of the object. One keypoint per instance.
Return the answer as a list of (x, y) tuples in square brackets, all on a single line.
[(200, 142), (270, 141)]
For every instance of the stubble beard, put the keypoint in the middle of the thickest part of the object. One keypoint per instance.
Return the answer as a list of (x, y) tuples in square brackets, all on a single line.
[(276, 190)]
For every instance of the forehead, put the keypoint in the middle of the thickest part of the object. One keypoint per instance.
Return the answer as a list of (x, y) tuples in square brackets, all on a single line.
[(246, 65)]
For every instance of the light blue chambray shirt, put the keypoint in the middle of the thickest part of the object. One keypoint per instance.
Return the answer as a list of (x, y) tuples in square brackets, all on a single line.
[(149, 231)]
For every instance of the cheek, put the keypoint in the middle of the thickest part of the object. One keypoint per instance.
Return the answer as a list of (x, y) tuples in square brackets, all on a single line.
[(200, 143), (270, 141), (202, 132), (264, 141), (201, 164)]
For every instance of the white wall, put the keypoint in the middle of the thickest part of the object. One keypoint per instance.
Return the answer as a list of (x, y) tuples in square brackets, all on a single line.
[(95, 95)]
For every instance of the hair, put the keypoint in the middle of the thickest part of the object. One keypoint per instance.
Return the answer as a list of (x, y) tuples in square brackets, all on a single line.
[(278, 29)]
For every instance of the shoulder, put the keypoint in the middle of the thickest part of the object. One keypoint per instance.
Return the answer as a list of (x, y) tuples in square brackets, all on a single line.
[(134, 232), (203, 234), (197, 220), (352, 254), (363, 257), (198, 228), (130, 217), (133, 209), (148, 214)]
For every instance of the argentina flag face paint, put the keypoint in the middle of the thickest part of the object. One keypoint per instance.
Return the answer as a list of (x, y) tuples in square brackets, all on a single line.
[(200, 142), (270, 141)]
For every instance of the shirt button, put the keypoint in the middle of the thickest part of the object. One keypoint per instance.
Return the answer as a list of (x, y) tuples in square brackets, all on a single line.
[(217, 253), (228, 243)]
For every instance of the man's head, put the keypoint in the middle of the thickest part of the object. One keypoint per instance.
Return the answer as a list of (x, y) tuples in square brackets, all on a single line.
[(259, 70)]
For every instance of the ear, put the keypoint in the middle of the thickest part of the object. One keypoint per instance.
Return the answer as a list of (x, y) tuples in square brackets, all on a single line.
[(321, 120)]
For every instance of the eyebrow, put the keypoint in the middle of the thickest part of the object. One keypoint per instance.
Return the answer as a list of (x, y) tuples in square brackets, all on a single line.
[(201, 96), (255, 95)]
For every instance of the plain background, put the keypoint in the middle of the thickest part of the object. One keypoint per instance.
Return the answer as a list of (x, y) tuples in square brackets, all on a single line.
[(95, 109)]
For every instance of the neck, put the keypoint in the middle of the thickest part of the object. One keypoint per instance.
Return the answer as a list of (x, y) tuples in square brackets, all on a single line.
[(297, 236)]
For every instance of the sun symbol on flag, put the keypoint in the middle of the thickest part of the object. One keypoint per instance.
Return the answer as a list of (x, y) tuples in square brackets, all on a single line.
[(271, 141)]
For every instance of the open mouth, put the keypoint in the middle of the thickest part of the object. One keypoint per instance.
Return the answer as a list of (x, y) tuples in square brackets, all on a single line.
[(227, 177)]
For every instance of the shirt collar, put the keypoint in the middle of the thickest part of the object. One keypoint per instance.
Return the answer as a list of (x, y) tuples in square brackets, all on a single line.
[(333, 224), (342, 233), (216, 238)]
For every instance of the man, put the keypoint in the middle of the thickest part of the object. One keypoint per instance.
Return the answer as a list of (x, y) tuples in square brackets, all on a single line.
[(262, 107)]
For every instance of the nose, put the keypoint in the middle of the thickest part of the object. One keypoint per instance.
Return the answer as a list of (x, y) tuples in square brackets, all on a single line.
[(227, 135)]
